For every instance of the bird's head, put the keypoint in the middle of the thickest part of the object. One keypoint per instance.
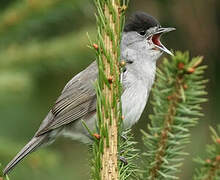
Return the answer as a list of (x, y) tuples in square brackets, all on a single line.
[(142, 34)]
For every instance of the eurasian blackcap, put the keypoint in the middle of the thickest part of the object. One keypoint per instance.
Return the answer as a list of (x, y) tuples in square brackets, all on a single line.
[(140, 48)]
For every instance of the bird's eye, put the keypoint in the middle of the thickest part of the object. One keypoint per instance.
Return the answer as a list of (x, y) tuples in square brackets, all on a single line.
[(142, 33)]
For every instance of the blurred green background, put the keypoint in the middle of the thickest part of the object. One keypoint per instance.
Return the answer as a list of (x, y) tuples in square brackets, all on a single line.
[(44, 43)]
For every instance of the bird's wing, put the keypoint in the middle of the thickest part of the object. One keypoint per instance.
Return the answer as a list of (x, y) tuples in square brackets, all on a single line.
[(77, 99)]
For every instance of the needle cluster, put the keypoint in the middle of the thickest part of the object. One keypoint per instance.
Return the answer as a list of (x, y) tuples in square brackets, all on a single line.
[(210, 167), (177, 98), (110, 21)]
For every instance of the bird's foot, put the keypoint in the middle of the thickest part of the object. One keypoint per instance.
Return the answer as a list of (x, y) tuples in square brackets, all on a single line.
[(123, 160)]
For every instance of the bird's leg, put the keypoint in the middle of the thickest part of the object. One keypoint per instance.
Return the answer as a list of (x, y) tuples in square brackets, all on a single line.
[(123, 160), (121, 157), (124, 137)]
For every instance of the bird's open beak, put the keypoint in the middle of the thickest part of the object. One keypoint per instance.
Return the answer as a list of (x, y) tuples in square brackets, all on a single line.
[(156, 39)]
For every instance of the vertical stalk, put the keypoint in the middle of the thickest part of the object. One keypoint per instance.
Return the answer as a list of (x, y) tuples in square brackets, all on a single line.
[(109, 19), (109, 157)]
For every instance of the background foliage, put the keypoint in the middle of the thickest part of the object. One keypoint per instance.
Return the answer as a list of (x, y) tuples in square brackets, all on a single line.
[(44, 43)]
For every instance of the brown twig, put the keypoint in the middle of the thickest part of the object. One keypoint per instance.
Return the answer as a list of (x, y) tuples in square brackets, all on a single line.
[(215, 166), (174, 98)]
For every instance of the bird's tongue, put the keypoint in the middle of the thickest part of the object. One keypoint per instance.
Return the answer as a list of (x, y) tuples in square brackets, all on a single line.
[(156, 40), (157, 43)]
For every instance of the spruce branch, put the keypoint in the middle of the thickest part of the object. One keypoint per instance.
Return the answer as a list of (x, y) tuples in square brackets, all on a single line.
[(108, 88), (210, 168), (177, 96), (127, 167)]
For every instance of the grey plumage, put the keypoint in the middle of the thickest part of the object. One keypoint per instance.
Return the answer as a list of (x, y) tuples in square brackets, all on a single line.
[(78, 99), (28, 148)]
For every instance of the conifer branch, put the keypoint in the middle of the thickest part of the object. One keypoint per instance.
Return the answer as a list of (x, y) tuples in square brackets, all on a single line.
[(127, 167), (176, 99), (210, 168), (109, 19)]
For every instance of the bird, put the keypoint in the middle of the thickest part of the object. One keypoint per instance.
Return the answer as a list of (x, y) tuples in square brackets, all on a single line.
[(140, 47)]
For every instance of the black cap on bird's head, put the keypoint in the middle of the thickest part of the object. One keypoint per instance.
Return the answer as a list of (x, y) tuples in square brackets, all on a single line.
[(149, 27), (140, 21)]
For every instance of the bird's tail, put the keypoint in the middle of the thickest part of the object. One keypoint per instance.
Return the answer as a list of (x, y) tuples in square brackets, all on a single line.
[(33, 144)]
